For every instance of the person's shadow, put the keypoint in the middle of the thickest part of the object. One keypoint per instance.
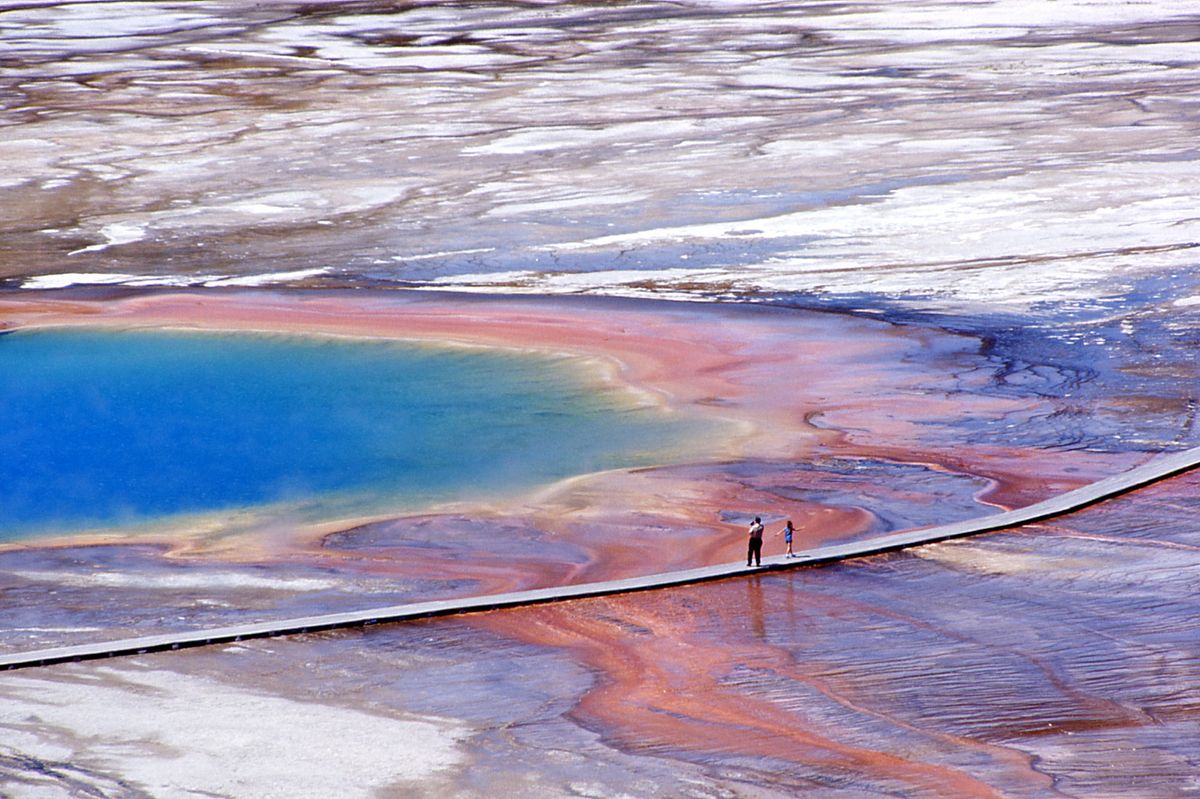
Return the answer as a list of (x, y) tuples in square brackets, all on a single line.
[(754, 605)]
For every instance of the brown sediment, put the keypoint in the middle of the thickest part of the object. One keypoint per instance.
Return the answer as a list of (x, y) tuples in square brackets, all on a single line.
[(738, 673), (661, 684), (791, 390)]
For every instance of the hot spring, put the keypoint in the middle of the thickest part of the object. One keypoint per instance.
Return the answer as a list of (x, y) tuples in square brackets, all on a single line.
[(111, 428)]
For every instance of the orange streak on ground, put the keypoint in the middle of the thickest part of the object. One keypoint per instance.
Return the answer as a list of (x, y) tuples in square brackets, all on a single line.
[(663, 685), (800, 388)]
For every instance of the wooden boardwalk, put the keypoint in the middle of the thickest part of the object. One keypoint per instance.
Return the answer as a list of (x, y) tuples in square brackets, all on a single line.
[(1069, 502)]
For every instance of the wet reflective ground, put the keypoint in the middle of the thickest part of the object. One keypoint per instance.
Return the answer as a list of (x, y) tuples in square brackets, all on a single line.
[(994, 201), (1003, 152), (1057, 660)]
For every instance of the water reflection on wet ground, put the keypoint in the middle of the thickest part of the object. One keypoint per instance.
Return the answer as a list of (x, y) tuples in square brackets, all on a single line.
[(1007, 665), (1008, 187), (71, 594), (999, 152), (1056, 660)]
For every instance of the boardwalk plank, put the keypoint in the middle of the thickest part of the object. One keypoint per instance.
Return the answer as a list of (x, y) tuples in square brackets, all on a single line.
[(1159, 469)]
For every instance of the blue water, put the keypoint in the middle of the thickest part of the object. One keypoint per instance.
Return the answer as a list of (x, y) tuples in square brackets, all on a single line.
[(106, 427)]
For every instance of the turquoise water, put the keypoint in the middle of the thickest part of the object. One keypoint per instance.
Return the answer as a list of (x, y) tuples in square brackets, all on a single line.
[(120, 427)]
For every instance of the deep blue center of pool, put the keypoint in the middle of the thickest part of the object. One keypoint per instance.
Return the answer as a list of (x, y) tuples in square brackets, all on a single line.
[(105, 427)]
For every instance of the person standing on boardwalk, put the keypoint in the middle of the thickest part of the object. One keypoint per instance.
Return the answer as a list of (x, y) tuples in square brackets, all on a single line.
[(786, 532), (754, 550)]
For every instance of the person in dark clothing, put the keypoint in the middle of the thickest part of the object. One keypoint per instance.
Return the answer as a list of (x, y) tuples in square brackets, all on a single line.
[(754, 550)]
